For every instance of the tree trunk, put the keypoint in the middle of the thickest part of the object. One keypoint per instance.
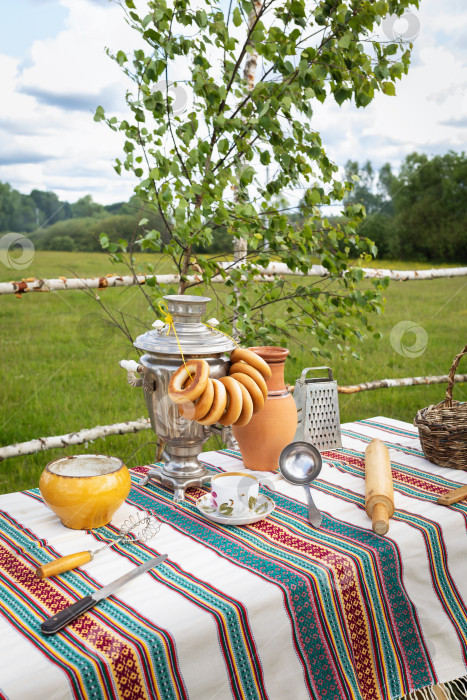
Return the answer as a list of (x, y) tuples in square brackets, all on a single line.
[(249, 74)]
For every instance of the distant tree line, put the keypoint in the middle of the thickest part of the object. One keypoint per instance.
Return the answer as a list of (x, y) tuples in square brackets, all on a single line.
[(55, 225), (419, 214)]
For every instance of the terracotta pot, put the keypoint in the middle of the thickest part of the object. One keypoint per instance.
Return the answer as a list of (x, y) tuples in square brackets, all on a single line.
[(274, 427)]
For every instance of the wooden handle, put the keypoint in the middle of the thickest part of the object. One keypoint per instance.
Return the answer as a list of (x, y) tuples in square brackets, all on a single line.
[(59, 566), (379, 491), (447, 499), (380, 518), (452, 377)]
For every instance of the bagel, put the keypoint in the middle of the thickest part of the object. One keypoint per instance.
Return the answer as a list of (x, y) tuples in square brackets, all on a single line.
[(243, 368), (187, 409), (235, 401), (197, 410), (181, 389), (253, 359), (252, 388), (247, 407), (218, 405)]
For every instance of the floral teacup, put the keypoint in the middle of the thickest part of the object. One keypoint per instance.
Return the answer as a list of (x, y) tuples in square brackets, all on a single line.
[(236, 493)]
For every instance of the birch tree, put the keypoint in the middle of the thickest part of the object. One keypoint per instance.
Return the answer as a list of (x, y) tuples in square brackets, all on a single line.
[(252, 74)]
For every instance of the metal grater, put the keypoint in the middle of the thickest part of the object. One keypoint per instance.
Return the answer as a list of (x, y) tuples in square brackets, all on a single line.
[(318, 410)]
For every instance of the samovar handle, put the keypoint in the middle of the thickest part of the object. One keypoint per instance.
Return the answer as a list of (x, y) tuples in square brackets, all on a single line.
[(131, 368)]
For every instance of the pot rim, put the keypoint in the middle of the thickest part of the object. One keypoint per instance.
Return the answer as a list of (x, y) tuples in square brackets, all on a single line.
[(271, 353), (119, 464)]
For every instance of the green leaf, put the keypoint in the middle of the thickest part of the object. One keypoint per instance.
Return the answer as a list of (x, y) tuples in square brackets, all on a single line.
[(342, 94), (389, 88), (237, 17), (247, 175), (99, 115), (280, 323), (344, 41), (104, 240)]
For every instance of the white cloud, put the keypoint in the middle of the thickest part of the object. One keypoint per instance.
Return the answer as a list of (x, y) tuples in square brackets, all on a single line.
[(48, 105)]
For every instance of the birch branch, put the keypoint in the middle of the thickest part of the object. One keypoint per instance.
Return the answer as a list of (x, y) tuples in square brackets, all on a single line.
[(406, 381), (77, 438), (267, 273)]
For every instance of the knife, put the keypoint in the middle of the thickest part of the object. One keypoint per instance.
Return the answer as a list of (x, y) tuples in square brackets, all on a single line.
[(60, 620)]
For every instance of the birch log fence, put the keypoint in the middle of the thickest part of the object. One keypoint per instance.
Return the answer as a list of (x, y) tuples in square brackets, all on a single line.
[(60, 284), (102, 431)]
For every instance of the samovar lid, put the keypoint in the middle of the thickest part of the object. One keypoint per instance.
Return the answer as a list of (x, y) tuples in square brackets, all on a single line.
[(195, 337)]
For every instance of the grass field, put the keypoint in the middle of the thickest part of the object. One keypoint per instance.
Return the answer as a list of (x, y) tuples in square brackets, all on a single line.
[(59, 364)]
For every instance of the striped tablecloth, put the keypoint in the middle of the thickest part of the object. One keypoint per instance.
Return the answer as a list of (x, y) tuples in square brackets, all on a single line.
[(272, 610)]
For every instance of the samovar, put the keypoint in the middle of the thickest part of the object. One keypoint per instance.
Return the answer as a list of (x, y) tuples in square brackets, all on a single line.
[(183, 439)]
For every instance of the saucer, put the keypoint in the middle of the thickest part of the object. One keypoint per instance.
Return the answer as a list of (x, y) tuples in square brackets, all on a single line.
[(264, 507)]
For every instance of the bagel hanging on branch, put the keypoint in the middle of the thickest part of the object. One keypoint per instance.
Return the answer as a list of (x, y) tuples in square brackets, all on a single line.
[(230, 400)]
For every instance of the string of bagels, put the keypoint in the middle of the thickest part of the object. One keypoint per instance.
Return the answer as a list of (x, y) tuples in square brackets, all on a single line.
[(230, 400)]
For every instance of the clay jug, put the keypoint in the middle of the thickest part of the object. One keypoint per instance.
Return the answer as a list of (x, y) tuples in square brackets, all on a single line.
[(269, 431)]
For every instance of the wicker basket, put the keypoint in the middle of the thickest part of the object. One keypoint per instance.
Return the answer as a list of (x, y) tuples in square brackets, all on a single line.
[(443, 428)]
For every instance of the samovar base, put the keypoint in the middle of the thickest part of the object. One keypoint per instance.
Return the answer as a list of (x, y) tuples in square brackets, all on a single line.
[(181, 467), (179, 483)]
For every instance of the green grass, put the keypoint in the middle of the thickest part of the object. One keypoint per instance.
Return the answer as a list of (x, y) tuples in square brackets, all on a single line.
[(55, 264), (59, 364)]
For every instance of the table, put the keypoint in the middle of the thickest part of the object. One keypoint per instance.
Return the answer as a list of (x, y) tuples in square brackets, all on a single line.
[(272, 610)]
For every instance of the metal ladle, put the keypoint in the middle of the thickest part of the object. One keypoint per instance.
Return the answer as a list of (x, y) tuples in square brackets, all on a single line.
[(300, 463)]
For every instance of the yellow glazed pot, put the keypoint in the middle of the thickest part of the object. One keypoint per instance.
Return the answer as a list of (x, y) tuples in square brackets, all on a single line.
[(85, 490)]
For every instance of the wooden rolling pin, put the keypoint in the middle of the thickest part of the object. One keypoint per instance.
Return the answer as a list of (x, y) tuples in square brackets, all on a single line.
[(455, 496), (379, 492)]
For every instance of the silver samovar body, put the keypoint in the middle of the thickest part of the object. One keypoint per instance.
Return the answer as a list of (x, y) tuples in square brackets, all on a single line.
[(183, 438)]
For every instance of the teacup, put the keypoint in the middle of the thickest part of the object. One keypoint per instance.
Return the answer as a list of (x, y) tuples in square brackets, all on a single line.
[(236, 493)]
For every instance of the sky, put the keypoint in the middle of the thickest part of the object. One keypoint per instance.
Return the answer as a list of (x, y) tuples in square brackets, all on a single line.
[(54, 72)]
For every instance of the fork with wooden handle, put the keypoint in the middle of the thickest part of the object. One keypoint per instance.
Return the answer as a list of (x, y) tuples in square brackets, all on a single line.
[(455, 496)]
